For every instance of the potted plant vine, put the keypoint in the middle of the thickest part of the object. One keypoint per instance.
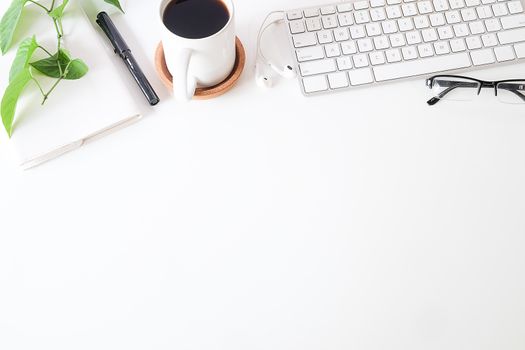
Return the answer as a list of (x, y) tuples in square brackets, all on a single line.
[(58, 63)]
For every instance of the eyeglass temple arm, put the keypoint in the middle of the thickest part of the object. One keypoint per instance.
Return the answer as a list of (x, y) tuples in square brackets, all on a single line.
[(512, 88), (451, 86)]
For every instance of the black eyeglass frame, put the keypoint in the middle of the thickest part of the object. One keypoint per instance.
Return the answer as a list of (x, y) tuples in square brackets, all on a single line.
[(481, 84)]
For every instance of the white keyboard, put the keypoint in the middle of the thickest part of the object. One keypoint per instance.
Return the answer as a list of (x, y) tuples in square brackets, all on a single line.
[(350, 44)]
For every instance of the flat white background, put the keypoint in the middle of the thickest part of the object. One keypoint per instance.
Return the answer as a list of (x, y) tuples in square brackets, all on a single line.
[(265, 220)]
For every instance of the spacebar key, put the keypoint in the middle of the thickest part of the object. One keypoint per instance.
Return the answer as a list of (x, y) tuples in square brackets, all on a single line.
[(422, 66)]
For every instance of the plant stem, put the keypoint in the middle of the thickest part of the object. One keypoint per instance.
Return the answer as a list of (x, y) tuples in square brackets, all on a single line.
[(44, 49), (46, 96), (40, 5), (59, 43), (62, 77), (52, 5)]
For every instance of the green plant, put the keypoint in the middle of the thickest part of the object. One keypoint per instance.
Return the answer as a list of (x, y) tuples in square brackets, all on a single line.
[(59, 66)]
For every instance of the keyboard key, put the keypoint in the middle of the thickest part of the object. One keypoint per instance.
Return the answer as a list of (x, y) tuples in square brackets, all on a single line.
[(476, 27), (457, 45), (349, 47), (492, 25), (405, 24), (332, 50), (294, 15), (421, 22), (473, 42), (393, 12), (397, 40), (520, 50), (441, 5), (309, 53), (373, 29), (424, 7), (445, 32), (357, 32), (504, 53), (344, 63), (422, 66), (481, 57), (500, 9), (389, 27), (484, 12), (338, 80), (306, 39), (441, 48), (381, 42), (469, 14), (511, 36), (425, 50), (347, 7), (511, 22), (393, 55), (361, 17), (409, 52), (461, 30), (409, 9), (413, 37), (515, 6), (377, 14), (317, 67), (457, 4), (377, 3), (437, 19), (361, 76), (325, 37), (489, 40), (453, 17), (345, 19), (376, 58), (360, 5), (341, 34), (315, 84), (429, 35), (471, 3), (297, 27), (313, 24), (365, 45), (329, 22), (328, 10), (360, 61), (311, 13)]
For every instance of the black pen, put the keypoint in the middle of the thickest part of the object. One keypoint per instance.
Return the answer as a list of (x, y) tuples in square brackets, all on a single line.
[(123, 50)]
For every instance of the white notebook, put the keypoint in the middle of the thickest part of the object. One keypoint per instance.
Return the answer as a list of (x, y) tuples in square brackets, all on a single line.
[(78, 111)]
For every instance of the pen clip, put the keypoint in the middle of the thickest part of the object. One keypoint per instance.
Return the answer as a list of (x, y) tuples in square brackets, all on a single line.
[(106, 24)]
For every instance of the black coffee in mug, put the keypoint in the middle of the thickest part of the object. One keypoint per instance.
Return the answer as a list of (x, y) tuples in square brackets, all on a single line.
[(195, 19)]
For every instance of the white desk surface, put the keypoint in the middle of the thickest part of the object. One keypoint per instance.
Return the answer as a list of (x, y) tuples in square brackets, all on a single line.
[(265, 220)]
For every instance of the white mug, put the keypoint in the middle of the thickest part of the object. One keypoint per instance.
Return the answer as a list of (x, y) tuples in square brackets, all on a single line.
[(199, 62)]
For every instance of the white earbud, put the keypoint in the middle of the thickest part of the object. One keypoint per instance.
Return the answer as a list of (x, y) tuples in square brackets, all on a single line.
[(265, 69), (263, 75)]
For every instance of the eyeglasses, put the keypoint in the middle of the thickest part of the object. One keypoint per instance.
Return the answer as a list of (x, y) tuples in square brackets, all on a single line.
[(458, 88)]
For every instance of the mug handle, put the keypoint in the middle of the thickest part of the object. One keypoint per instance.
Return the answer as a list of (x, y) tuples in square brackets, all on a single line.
[(184, 86)]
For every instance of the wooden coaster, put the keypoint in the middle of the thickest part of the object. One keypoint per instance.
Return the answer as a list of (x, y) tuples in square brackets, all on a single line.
[(209, 92)]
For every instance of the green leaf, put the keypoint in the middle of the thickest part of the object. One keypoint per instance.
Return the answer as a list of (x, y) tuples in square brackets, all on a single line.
[(23, 55), (115, 3), (58, 12), (10, 99), (77, 69), (9, 23), (55, 66)]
